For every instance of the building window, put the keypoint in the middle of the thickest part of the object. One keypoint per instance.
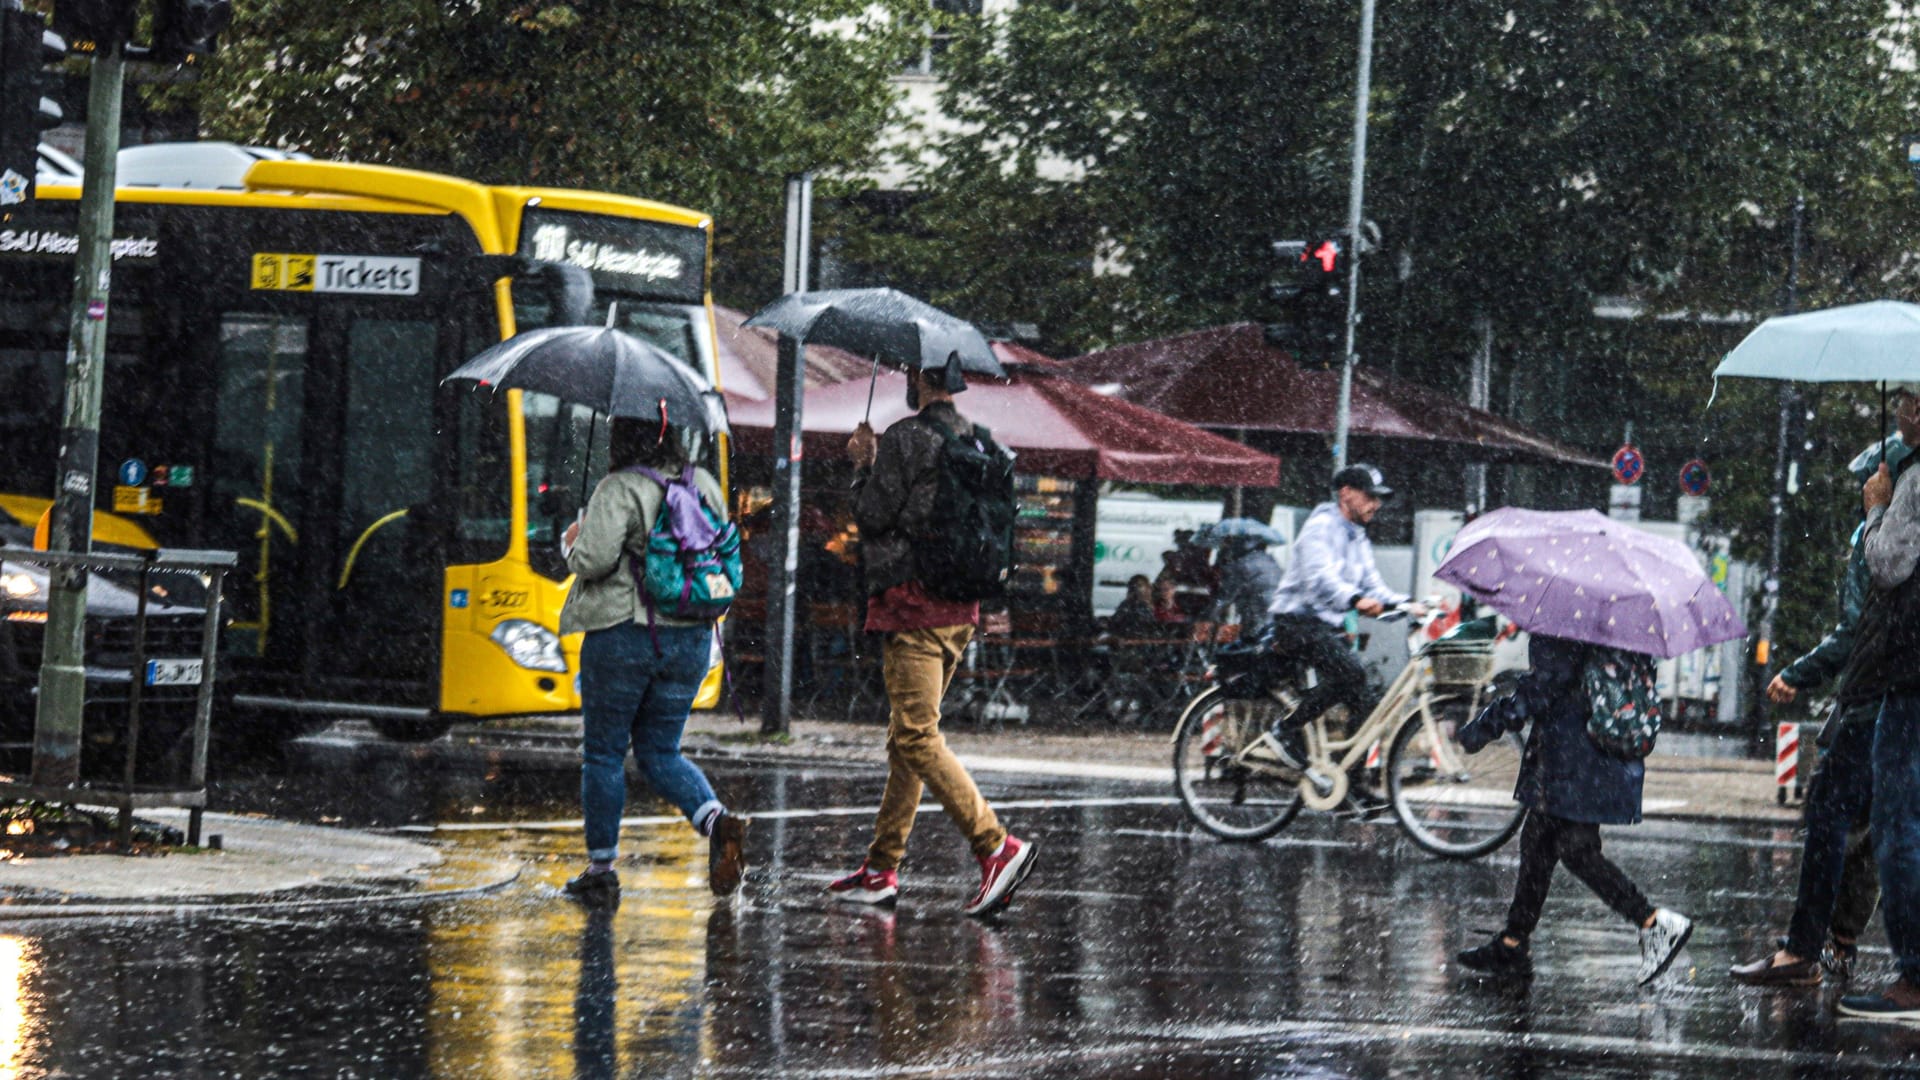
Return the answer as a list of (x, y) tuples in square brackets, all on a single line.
[(946, 15)]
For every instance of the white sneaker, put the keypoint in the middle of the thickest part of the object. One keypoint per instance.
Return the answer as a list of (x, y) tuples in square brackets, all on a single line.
[(1661, 942)]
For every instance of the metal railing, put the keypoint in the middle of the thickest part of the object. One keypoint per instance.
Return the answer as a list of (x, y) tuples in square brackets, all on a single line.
[(113, 654)]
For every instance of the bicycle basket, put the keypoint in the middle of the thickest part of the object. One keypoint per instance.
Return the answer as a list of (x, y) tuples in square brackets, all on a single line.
[(1467, 663)]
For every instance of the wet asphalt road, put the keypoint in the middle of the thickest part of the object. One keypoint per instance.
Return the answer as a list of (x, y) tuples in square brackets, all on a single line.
[(1137, 949)]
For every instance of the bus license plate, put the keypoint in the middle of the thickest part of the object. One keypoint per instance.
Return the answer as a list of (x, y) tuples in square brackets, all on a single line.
[(173, 673)]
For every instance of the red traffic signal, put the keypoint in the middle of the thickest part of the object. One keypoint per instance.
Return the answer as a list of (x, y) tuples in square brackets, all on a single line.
[(1323, 257)]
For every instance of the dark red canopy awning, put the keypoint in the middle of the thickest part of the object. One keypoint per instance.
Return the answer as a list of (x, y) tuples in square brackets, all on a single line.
[(1055, 426), (1229, 377), (749, 357)]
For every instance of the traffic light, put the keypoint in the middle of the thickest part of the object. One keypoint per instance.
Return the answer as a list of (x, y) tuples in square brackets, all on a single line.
[(184, 30), (90, 25), (1309, 291), (26, 45)]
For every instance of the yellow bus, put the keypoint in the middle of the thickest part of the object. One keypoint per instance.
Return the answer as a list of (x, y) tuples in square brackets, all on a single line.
[(277, 335)]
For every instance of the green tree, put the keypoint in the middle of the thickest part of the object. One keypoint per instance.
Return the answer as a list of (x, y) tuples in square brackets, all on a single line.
[(685, 101), (1526, 159)]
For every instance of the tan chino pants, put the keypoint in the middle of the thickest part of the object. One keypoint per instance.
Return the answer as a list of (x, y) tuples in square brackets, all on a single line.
[(918, 665)]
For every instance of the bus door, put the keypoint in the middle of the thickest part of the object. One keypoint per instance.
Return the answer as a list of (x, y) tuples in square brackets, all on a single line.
[(256, 503), (382, 529), (324, 480)]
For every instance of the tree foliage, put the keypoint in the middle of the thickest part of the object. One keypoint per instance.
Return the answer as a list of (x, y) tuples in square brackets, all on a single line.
[(1525, 160), (686, 101)]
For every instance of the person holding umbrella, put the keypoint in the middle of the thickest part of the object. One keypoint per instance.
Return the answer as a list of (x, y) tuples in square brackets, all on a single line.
[(1249, 573), (640, 669), (1882, 659), (926, 636), (1839, 884), (1600, 601)]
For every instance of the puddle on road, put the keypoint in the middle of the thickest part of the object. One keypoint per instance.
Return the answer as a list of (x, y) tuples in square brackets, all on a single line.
[(1126, 955)]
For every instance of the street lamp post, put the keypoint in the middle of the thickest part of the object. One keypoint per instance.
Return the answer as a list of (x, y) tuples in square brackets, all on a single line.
[(1343, 412)]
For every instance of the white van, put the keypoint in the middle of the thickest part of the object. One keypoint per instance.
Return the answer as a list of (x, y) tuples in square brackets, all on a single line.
[(1131, 531)]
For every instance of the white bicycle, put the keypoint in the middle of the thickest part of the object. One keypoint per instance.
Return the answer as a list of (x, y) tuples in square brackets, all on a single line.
[(1238, 782)]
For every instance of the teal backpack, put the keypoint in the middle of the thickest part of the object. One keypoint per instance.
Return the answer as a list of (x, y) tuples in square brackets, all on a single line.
[(1623, 696), (691, 569)]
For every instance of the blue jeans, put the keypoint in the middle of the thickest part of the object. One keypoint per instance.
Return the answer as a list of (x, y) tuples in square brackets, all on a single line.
[(633, 694), (1896, 827)]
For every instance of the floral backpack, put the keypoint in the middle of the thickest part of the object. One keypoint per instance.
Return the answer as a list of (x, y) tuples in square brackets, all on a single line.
[(1620, 688)]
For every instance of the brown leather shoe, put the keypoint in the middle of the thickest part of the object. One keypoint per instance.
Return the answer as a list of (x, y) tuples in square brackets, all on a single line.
[(1764, 972), (726, 853)]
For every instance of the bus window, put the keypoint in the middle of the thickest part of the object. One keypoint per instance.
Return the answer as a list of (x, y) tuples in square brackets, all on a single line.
[(483, 498), (384, 559), (254, 475), (566, 455), (669, 326), (388, 452), (30, 393)]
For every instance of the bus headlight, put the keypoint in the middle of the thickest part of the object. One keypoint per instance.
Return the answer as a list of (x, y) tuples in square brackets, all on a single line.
[(18, 586), (530, 645)]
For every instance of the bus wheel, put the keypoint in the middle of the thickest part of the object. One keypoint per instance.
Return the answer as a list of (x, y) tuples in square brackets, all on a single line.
[(411, 730)]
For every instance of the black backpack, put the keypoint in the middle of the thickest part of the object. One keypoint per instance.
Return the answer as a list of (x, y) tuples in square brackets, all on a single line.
[(965, 551)]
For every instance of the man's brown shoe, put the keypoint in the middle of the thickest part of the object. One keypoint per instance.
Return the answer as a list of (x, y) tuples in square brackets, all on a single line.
[(726, 853), (1764, 972)]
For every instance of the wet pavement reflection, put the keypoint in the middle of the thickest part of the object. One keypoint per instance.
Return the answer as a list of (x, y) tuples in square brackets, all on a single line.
[(1137, 949)]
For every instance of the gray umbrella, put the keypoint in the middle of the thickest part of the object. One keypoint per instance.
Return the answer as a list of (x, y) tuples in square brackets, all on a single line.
[(609, 371), (886, 324)]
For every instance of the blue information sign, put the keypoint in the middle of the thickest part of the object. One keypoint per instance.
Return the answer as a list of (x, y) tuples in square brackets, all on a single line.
[(133, 472)]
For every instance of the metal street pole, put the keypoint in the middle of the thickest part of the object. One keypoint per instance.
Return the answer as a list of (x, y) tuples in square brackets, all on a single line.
[(1783, 481), (776, 704), (1480, 395), (1343, 412), (63, 679)]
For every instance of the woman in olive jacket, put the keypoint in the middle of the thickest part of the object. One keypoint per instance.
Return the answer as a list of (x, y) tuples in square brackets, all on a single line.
[(639, 669)]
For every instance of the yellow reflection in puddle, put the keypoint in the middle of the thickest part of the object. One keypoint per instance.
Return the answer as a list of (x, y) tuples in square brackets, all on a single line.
[(15, 966), (538, 989)]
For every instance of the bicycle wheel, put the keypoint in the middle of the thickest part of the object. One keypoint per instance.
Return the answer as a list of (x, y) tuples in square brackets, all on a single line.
[(1454, 804), (1231, 794)]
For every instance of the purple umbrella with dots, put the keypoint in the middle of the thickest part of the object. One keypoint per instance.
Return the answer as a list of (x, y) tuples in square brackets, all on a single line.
[(1578, 575)]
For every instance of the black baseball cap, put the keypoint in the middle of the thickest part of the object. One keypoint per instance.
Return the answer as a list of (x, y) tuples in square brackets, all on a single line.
[(1363, 478)]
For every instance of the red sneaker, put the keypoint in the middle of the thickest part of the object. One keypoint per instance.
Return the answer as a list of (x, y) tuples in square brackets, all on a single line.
[(1000, 874), (865, 886)]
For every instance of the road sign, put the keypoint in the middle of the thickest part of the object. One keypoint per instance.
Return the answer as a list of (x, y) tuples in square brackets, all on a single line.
[(1628, 465), (133, 472), (1623, 502), (1695, 478)]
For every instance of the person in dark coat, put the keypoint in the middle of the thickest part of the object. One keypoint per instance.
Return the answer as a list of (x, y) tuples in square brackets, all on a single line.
[(1249, 576), (1570, 788)]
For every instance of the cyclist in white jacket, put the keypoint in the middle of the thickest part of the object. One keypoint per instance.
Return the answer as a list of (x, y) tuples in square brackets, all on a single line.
[(1331, 573)]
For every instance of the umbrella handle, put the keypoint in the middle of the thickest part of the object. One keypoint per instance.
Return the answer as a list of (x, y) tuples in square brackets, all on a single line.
[(873, 379), (586, 459)]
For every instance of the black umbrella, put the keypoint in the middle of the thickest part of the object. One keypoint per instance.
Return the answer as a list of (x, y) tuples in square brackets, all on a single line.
[(888, 325), (607, 370)]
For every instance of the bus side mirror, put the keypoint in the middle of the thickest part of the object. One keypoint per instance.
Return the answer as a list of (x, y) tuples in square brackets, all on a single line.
[(569, 293), (567, 289)]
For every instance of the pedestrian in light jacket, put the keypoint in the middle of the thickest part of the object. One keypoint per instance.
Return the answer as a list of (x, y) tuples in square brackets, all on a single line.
[(1570, 788), (639, 669)]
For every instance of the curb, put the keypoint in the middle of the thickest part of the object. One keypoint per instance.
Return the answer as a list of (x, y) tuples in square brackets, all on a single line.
[(28, 911)]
